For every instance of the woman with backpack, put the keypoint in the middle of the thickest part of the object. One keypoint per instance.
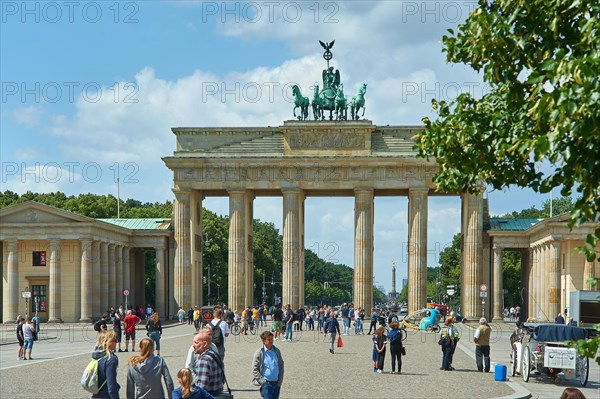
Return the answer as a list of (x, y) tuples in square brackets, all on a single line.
[(144, 374), (154, 329), (108, 364)]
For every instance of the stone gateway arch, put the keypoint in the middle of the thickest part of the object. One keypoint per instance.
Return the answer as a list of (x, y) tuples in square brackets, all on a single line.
[(297, 160)]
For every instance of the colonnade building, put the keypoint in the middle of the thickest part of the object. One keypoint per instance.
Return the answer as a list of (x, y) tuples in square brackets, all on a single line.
[(89, 263)]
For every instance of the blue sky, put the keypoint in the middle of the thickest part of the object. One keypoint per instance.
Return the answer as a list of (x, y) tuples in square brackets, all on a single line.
[(90, 91)]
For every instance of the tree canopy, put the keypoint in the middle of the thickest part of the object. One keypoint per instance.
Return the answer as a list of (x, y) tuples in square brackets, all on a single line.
[(267, 242), (538, 126)]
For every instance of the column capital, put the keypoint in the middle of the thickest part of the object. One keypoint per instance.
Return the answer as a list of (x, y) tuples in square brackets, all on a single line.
[(498, 247), (291, 190), (364, 190), (54, 241), (418, 190), (12, 244), (182, 196)]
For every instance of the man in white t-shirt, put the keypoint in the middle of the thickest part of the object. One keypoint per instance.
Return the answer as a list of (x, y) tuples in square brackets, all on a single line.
[(224, 326)]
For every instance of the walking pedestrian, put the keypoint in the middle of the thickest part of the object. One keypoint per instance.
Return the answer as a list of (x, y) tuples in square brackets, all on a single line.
[(331, 327), (395, 340), (220, 330), (208, 370), (380, 344), (196, 318), (181, 315), (482, 348), (188, 390), (373, 325), (190, 316), (277, 316), (117, 330), (144, 374), (267, 367), (154, 329), (288, 321), (130, 322), (108, 364)]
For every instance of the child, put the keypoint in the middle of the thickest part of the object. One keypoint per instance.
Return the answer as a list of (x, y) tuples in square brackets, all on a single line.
[(375, 353), (380, 344), (186, 389)]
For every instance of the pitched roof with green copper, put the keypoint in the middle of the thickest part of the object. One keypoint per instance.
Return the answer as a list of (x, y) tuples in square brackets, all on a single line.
[(141, 223), (502, 224)]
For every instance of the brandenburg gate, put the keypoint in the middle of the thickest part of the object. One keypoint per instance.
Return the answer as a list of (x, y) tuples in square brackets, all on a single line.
[(301, 159)]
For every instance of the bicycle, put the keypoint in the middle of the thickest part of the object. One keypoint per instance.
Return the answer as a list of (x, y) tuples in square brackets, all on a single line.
[(236, 328)]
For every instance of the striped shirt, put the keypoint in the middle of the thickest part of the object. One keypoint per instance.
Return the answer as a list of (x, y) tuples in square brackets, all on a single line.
[(209, 373)]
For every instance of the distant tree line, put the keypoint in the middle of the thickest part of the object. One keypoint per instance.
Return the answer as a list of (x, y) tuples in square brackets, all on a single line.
[(449, 263), (326, 282)]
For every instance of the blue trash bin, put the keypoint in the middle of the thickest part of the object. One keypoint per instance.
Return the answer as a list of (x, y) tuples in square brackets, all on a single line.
[(500, 372)]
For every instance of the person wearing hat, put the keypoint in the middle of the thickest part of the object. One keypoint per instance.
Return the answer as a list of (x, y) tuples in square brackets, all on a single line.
[(482, 348)]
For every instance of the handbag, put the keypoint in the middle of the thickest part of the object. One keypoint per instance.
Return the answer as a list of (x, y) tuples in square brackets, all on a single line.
[(403, 351), (340, 343)]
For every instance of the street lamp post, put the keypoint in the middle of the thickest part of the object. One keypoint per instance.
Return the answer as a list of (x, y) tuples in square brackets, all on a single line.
[(206, 244)]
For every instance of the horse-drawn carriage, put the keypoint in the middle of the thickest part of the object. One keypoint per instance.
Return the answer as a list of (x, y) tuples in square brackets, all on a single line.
[(541, 349)]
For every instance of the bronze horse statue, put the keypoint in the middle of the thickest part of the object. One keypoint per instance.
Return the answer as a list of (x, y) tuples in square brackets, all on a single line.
[(300, 102)]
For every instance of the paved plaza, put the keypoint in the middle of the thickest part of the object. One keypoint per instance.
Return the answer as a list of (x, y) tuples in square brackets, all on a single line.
[(310, 370)]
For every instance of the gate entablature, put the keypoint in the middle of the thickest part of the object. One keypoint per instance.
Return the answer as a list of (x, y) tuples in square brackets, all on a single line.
[(322, 155)]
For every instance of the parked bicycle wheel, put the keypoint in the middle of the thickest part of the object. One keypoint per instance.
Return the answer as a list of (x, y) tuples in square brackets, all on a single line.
[(236, 329)]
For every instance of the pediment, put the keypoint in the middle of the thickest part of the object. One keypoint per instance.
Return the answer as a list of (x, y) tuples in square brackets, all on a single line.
[(34, 212)]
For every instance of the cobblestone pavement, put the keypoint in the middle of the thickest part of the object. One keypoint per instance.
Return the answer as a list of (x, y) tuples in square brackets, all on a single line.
[(311, 371)]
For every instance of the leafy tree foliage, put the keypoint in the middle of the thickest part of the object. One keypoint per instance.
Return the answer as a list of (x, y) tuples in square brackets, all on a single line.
[(559, 207), (267, 243), (541, 60)]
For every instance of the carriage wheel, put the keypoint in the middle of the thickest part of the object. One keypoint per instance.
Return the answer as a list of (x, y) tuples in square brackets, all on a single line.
[(513, 363), (526, 369), (583, 368), (236, 329), (436, 328)]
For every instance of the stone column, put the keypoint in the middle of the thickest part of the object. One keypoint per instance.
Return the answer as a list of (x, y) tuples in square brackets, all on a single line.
[(237, 251), (96, 280), (553, 287), (197, 249), (249, 245), (588, 273), (104, 274), (291, 247), (531, 284), (417, 249), (537, 313), (11, 289), (301, 274), (86, 280), (112, 278), (119, 298), (183, 267), (498, 288), (363, 247), (54, 305), (127, 271), (525, 267), (472, 230), (159, 282)]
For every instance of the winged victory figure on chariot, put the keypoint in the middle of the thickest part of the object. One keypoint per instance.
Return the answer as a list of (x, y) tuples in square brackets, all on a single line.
[(331, 98)]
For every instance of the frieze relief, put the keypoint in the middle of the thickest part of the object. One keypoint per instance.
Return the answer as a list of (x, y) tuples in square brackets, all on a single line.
[(319, 141), (306, 173)]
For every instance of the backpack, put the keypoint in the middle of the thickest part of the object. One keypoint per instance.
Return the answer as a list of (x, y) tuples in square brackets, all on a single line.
[(89, 379), (217, 334), (97, 326)]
